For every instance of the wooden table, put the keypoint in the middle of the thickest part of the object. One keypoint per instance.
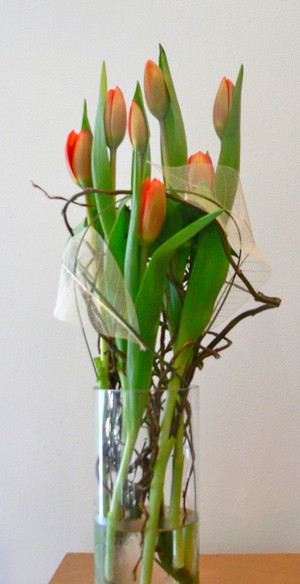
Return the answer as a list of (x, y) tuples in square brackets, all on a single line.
[(214, 569)]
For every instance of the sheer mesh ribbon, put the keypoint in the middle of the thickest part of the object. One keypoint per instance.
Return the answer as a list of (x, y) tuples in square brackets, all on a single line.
[(235, 222), (92, 287)]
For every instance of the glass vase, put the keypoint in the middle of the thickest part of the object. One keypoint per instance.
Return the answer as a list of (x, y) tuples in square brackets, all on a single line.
[(146, 521)]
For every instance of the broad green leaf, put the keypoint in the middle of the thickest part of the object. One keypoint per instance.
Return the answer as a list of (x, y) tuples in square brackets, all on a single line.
[(173, 138), (85, 124), (100, 164), (149, 299), (230, 145), (208, 273), (174, 292), (148, 307), (131, 264), (118, 237)]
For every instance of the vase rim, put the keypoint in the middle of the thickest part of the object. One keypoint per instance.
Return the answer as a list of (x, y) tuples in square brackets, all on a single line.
[(142, 390)]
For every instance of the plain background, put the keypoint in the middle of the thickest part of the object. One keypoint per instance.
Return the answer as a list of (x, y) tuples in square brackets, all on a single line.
[(51, 54)]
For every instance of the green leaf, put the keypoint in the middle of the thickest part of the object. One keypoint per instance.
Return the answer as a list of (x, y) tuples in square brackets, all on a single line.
[(174, 292), (173, 306), (149, 299), (230, 145), (85, 124), (100, 163), (208, 274), (173, 138), (118, 237), (132, 266), (148, 308)]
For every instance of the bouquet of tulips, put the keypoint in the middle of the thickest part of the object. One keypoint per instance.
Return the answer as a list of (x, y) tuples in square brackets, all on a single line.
[(154, 267)]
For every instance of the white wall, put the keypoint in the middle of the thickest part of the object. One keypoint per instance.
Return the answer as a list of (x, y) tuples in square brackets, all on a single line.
[(51, 53)]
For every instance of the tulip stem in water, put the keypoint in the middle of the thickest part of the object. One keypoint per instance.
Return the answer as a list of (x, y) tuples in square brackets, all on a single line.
[(166, 444), (178, 463), (115, 512), (105, 363), (155, 500)]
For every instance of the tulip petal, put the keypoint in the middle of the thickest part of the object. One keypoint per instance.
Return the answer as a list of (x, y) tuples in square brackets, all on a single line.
[(69, 151), (118, 118), (155, 90), (152, 210), (81, 161)]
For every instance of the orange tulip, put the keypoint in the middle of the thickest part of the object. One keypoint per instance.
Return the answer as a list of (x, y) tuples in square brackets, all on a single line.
[(200, 169), (222, 106), (114, 117), (153, 210), (156, 93), (137, 128), (78, 156)]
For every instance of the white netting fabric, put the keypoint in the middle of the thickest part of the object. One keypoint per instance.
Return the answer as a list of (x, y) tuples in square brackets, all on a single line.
[(92, 286), (227, 193)]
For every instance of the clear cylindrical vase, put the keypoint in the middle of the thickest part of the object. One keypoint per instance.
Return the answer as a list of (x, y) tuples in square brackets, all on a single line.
[(146, 521)]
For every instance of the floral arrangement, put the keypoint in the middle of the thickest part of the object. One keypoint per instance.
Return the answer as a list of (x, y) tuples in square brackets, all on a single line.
[(152, 269)]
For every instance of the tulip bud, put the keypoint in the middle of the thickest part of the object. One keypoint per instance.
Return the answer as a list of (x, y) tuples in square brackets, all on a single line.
[(137, 128), (222, 106), (200, 169), (156, 93), (78, 155), (152, 210), (114, 117)]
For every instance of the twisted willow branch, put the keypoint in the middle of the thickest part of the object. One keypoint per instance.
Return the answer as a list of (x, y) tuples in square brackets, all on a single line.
[(162, 368)]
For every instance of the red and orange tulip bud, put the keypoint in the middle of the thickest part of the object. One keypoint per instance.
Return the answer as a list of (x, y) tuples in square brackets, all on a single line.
[(114, 117), (152, 210), (222, 106), (78, 156), (137, 128), (201, 170), (156, 93)]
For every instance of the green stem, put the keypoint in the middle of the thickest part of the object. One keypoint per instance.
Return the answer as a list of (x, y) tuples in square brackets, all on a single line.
[(166, 443), (105, 364), (113, 171), (164, 144), (174, 512), (90, 212), (190, 544), (103, 344), (115, 512), (155, 500), (131, 268), (143, 260)]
